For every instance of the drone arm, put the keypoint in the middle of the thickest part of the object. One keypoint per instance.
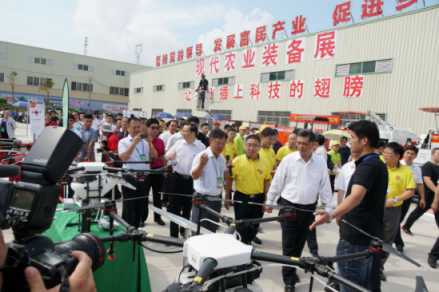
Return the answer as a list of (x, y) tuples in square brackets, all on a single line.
[(222, 217), (279, 259), (204, 271), (330, 274)]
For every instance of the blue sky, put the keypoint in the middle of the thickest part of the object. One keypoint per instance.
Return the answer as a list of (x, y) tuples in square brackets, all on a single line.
[(114, 27)]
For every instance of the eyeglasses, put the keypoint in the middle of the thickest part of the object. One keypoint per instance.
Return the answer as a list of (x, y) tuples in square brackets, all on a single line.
[(253, 146), (154, 128), (387, 153)]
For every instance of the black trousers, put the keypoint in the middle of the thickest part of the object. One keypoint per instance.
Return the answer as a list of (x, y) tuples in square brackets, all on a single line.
[(180, 205), (155, 182), (165, 187), (418, 212), (294, 235), (246, 211), (332, 179), (132, 208), (311, 240), (405, 208)]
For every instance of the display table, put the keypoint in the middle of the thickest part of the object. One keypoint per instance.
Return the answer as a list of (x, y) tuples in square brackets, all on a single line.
[(120, 274)]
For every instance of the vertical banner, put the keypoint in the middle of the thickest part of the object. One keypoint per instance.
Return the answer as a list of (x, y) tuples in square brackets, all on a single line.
[(36, 119), (65, 104)]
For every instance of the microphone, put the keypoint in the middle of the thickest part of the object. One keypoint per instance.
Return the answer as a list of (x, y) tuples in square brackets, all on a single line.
[(230, 168), (9, 170)]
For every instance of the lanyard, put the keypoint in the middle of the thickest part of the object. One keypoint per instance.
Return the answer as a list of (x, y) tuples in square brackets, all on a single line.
[(143, 147), (366, 158), (216, 170)]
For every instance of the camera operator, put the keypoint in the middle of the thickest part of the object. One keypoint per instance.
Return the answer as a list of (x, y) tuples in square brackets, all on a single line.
[(135, 147), (81, 279)]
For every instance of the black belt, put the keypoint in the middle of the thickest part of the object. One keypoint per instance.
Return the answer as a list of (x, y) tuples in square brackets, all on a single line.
[(250, 196), (184, 176), (200, 194), (301, 206)]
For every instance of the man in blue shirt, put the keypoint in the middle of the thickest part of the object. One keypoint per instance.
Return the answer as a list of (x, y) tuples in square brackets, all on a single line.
[(89, 136), (344, 150)]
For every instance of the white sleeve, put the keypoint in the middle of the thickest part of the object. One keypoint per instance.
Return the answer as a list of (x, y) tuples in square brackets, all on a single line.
[(169, 144), (122, 147), (325, 190), (172, 150), (419, 180), (340, 180), (196, 162), (278, 182)]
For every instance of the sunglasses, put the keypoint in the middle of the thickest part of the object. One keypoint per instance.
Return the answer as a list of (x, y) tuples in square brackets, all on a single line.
[(154, 128)]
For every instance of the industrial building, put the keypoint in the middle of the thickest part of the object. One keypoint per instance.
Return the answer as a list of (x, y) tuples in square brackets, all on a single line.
[(393, 59), (104, 82)]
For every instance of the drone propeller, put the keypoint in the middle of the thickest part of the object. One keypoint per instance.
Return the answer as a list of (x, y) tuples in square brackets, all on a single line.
[(102, 204), (212, 199), (420, 284), (387, 247), (280, 207)]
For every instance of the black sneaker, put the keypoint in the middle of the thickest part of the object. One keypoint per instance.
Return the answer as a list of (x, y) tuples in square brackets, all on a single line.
[(290, 288), (383, 277), (160, 222), (432, 262), (407, 231), (400, 248), (142, 224), (256, 240)]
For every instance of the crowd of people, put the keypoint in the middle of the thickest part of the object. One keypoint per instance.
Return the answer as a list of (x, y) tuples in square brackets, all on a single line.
[(375, 182)]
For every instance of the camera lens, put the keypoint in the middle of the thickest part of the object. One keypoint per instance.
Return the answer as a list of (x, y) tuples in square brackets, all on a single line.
[(88, 243)]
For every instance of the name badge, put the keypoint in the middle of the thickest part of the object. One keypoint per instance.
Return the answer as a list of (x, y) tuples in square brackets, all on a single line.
[(142, 157), (219, 182)]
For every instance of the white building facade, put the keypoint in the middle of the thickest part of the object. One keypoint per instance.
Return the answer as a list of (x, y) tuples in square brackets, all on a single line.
[(388, 65)]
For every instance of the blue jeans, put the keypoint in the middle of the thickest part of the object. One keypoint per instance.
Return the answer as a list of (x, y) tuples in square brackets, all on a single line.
[(357, 271)]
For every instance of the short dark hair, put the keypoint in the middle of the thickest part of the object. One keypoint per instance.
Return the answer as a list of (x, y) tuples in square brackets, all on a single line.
[(254, 129), (118, 120), (321, 139), (230, 129), (296, 131), (162, 121), (217, 134), (109, 116), (366, 129), (194, 120), (226, 127), (344, 138), (82, 113), (183, 123), (46, 113), (307, 133), (396, 147), (88, 117), (255, 137), (169, 123), (412, 148), (192, 128), (267, 132), (151, 121), (205, 124), (119, 114), (133, 119), (71, 117), (380, 144), (233, 125), (53, 111)]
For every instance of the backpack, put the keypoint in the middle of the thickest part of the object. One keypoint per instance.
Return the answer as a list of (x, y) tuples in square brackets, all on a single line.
[(329, 163)]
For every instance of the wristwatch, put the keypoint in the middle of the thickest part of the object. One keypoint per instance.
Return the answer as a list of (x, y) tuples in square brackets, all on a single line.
[(330, 217), (395, 200)]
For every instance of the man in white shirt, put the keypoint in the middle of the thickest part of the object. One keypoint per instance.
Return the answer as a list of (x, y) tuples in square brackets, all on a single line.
[(135, 149), (410, 154), (184, 152), (78, 124), (321, 150), (176, 137), (209, 171), (300, 179), (96, 122), (171, 127), (344, 177)]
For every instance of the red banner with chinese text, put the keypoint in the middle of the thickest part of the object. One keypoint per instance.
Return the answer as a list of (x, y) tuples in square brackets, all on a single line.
[(333, 120)]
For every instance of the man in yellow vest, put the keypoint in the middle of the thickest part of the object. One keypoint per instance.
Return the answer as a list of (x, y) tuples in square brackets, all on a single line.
[(290, 148), (231, 148), (402, 187)]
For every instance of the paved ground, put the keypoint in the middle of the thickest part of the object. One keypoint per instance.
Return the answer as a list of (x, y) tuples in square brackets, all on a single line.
[(163, 269)]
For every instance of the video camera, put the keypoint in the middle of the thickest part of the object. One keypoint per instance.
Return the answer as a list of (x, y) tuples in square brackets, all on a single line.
[(29, 207)]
